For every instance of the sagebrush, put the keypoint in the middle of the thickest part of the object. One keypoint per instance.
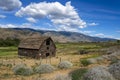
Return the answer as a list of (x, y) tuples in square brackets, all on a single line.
[(44, 68), (98, 73), (114, 69), (65, 65), (22, 69)]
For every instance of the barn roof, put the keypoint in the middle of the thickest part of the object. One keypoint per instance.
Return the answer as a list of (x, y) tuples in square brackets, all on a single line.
[(33, 42)]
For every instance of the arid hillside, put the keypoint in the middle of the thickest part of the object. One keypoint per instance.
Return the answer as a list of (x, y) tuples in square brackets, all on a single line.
[(58, 36)]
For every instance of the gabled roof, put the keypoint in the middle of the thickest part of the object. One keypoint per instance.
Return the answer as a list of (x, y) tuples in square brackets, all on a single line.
[(33, 42)]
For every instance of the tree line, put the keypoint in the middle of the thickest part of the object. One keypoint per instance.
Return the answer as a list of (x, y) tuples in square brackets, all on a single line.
[(9, 42)]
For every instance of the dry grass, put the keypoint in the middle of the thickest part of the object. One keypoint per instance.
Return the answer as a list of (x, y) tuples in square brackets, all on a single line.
[(31, 62)]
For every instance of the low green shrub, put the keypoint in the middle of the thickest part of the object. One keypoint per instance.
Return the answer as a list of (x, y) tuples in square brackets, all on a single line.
[(114, 60), (65, 65), (85, 62), (6, 75), (82, 51), (77, 74), (9, 65), (1, 64)]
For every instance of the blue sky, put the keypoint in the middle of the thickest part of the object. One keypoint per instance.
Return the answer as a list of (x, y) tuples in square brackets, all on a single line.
[(92, 17)]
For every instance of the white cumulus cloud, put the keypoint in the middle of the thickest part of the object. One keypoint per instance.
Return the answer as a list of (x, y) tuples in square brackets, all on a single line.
[(2, 16), (24, 25), (103, 35), (30, 19), (60, 15), (9, 5), (100, 35), (93, 24), (7, 26), (87, 32)]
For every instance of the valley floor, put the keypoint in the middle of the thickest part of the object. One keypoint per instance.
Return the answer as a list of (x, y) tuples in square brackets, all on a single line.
[(76, 53)]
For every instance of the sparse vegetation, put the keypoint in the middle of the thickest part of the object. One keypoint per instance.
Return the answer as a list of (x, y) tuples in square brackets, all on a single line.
[(6, 75), (96, 54), (65, 65)]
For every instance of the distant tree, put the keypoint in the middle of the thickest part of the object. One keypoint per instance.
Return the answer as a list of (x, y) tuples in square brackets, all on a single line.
[(9, 42), (118, 41)]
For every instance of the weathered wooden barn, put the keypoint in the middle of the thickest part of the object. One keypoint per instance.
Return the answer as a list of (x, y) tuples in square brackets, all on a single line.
[(40, 47)]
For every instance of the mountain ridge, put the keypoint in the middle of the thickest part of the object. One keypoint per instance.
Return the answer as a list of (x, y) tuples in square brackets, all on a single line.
[(58, 36)]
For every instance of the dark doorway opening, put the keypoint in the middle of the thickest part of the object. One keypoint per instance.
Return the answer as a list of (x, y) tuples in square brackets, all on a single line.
[(47, 54)]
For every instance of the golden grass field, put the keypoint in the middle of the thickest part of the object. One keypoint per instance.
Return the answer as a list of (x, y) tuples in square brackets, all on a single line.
[(75, 59)]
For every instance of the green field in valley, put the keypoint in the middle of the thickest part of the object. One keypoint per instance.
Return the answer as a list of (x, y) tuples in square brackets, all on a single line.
[(65, 48), (8, 51)]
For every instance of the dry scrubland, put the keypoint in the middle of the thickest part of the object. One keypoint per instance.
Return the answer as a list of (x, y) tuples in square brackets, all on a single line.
[(74, 61)]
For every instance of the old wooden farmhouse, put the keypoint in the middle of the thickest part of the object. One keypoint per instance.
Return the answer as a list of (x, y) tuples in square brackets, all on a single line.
[(37, 47)]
